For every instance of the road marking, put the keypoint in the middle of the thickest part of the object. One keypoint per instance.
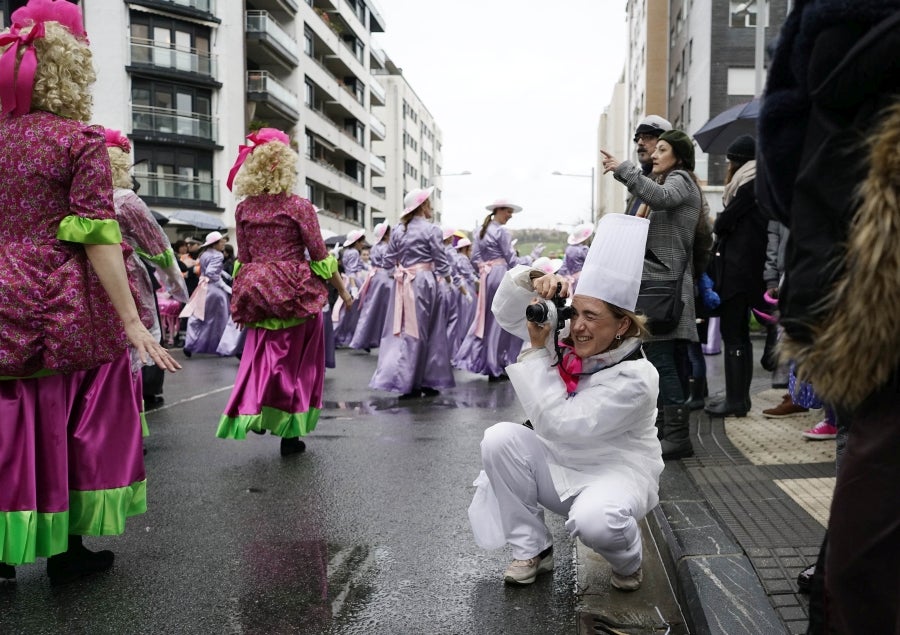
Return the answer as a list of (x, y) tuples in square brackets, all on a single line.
[(189, 399)]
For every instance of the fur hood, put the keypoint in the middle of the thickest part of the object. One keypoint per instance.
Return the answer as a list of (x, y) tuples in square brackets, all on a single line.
[(856, 347)]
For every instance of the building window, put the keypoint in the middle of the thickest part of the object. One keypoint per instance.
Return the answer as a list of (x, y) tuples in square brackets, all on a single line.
[(170, 108), (743, 13), (308, 42), (741, 81), (171, 43), (179, 173)]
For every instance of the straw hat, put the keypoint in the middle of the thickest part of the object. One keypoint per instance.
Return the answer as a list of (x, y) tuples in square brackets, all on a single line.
[(580, 234), (415, 198), (212, 238), (380, 230), (463, 242), (547, 265), (353, 236), (503, 202), (448, 231)]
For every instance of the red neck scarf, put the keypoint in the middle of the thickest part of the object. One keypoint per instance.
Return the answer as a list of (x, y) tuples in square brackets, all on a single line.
[(569, 368)]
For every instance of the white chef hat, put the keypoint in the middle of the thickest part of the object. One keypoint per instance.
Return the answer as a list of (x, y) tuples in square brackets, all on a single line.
[(612, 269)]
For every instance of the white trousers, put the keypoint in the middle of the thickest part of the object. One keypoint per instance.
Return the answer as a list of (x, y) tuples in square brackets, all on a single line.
[(602, 515)]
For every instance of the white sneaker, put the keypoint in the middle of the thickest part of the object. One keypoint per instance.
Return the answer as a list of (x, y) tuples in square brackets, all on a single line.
[(628, 582), (525, 571)]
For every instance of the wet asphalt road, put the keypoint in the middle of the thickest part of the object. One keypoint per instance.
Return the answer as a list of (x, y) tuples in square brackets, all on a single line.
[(366, 532)]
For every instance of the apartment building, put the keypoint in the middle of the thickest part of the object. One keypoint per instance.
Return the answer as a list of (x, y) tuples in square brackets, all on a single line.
[(712, 63), (186, 80), (412, 144)]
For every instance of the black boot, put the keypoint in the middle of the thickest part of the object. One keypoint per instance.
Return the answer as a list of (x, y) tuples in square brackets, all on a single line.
[(737, 385), (77, 562), (676, 439), (292, 446), (697, 390), (7, 573)]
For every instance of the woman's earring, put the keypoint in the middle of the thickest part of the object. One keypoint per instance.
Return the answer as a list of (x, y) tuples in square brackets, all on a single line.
[(618, 337)]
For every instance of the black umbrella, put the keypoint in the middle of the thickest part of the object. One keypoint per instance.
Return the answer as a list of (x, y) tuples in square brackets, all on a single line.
[(716, 135), (335, 240), (162, 219)]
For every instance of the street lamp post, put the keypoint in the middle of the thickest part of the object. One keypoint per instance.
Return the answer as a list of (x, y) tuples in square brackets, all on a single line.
[(587, 176)]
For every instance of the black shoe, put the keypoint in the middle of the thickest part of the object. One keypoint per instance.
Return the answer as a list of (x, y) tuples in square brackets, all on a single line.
[(7, 573), (78, 562), (500, 377), (413, 394), (804, 579), (292, 446), (186, 352), (430, 392)]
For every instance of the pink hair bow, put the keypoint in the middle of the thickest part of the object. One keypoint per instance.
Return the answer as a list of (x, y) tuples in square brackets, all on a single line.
[(258, 138), (16, 88), (40, 11), (115, 139)]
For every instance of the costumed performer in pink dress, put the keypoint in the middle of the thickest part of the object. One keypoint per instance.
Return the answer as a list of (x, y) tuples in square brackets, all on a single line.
[(70, 436), (487, 349), (278, 297), (144, 235), (414, 356), (375, 294)]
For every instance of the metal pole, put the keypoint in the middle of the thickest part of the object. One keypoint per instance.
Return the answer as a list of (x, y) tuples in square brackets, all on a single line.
[(760, 61), (593, 217)]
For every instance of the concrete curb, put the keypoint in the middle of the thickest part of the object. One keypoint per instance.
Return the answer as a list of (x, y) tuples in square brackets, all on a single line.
[(716, 585)]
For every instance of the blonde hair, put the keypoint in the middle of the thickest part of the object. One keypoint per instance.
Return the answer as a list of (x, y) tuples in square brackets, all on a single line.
[(270, 169), (64, 74), (121, 167)]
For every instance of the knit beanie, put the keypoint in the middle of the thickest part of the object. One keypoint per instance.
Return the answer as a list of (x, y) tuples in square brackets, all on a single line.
[(742, 149), (682, 146)]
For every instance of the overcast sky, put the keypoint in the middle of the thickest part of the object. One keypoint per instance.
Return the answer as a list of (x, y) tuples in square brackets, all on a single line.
[(517, 88)]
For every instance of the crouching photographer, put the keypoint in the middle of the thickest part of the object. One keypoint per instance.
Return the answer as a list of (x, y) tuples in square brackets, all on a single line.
[(589, 450)]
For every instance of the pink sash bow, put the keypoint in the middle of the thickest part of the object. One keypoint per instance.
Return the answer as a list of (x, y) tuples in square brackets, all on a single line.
[(405, 320), (483, 269), (196, 306)]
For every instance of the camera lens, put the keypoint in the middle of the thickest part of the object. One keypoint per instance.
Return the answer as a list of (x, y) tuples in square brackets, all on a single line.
[(536, 313)]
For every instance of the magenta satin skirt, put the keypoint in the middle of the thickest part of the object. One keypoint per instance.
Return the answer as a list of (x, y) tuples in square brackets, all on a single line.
[(279, 382), (74, 437)]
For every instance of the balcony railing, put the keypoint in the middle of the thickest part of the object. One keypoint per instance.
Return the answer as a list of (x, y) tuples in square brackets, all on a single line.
[(179, 188), (207, 6), (377, 127), (377, 164), (263, 82), (148, 52), (262, 22), (166, 120), (377, 90)]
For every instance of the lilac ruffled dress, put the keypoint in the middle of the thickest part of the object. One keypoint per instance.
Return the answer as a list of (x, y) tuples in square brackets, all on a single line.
[(204, 333), (278, 296), (355, 274), (374, 300), (487, 349), (70, 433), (464, 271), (414, 351)]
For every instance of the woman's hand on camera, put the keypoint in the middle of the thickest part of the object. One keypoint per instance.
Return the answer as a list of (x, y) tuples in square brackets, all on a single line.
[(538, 333), (545, 286)]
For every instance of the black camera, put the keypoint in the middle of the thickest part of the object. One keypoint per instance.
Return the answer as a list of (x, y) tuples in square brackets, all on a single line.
[(540, 312)]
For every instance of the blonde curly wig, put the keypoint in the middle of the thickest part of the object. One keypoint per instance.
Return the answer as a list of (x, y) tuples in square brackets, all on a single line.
[(64, 75), (120, 162), (270, 169)]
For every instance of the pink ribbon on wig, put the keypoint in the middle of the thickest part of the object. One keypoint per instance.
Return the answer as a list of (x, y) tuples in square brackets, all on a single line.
[(405, 320), (261, 136), (115, 139), (15, 88), (569, 368), (481, 308)]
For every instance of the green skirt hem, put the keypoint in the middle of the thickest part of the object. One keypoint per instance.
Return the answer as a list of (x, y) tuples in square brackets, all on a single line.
[(278, 422), (26, 535)]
